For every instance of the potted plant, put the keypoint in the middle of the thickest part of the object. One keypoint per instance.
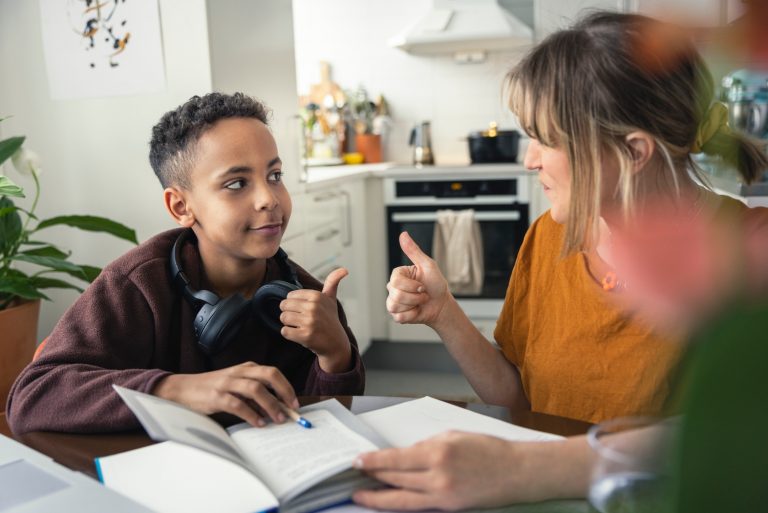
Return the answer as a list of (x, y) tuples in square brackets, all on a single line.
[(29, 265), (371, 122)]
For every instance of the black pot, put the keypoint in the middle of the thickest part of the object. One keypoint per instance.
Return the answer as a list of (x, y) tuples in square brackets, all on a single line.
[(486, 148)]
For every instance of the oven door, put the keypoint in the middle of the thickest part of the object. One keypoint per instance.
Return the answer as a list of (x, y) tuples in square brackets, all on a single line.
[(502, 226)]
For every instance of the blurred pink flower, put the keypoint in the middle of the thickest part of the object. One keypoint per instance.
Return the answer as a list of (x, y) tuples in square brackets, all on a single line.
[(681, 265)]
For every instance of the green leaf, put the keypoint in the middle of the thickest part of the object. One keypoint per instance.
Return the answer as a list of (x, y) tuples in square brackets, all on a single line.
[(40, 282), (90, 272), (10, 226), (8, 188), (85, 272), (21, 288), (93, 224), (10, 273), (7, 210), (47, 251), (50, 262), (9, 146)]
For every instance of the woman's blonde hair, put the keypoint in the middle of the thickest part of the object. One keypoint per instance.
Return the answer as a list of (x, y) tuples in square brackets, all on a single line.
[(586, 88)]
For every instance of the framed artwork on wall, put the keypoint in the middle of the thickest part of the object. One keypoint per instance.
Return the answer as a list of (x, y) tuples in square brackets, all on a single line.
[(96, 48)]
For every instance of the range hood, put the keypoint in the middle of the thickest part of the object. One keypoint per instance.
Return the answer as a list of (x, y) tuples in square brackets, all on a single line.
[(453, 26)]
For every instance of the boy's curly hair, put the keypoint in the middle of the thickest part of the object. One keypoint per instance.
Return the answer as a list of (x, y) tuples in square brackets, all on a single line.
[(172, 147)]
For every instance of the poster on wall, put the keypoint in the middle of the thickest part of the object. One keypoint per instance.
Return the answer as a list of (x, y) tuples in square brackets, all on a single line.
[(96, 48)]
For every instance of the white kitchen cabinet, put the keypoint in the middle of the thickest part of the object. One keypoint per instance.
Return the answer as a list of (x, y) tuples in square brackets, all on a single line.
[(314, 235), (702, 13), (327, 231), (323, 206), (356, 291), (324, 226), (323, 246), (552, 15), (294, 248)]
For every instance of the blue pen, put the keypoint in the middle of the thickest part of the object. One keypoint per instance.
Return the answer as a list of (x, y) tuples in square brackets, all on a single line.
[(294, 415)]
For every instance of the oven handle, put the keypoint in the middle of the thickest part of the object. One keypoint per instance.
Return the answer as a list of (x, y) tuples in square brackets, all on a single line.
[(405, 217)]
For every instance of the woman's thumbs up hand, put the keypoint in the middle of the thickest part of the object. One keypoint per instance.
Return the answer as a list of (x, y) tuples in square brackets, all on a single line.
[(418, 293)]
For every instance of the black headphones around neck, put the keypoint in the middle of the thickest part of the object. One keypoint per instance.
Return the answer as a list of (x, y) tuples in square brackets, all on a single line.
[(218, 321)]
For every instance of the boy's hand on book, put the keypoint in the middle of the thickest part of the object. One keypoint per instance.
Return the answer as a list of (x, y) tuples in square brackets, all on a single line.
[(451, 471), (311, 318), (418, 293), (241, 390)]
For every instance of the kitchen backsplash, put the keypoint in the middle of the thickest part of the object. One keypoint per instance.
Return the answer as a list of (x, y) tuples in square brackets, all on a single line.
[(456, 98)]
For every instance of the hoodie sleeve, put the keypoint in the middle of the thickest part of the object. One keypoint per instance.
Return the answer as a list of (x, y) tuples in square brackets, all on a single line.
[(107, 337)]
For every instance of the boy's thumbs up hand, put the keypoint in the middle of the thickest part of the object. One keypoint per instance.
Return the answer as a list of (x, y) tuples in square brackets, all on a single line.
[(332, 281), (418, 292), (311, 318)]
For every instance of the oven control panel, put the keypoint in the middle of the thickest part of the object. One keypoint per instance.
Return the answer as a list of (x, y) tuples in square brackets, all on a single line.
[(456, 188), (410, 191)]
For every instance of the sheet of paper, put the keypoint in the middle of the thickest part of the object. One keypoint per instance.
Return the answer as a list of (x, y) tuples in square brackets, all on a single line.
[(406, 423), (291, 459), (169, 477)]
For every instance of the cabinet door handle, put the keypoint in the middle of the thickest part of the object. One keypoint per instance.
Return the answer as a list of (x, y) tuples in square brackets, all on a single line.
[(325, 197), (327, 235), (348, 219)]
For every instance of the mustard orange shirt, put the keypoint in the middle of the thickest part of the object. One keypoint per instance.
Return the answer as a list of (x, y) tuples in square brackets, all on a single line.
[(578, 353)]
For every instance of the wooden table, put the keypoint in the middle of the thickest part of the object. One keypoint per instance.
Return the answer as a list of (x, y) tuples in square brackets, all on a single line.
[(78, 451)]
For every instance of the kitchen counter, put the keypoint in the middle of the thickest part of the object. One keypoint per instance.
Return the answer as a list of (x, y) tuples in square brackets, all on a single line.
[(737, 188), (329, 174), (726, 181)]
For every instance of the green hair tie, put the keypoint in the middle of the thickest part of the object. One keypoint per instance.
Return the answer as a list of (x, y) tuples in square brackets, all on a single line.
[(715, 121)]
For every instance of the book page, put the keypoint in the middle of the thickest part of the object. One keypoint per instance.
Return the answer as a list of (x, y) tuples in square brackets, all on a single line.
[(167, 420), (413, 421), (291, 459), (169, 477)]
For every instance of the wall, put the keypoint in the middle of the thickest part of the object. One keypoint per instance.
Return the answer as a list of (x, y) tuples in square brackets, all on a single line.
[(352, 35), (94, 151), (251, 47)]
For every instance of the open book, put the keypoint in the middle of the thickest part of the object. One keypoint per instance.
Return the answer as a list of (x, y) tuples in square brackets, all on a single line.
[(203, 467)]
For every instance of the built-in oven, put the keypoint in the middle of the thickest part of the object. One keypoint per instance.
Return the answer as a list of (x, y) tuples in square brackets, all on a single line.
[(501, 205)]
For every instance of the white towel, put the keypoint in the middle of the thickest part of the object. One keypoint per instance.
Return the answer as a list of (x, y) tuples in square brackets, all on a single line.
[(458, 250)]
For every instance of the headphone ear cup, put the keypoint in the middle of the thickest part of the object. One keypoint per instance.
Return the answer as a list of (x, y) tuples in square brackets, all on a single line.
[(217, 325), (266, 302)]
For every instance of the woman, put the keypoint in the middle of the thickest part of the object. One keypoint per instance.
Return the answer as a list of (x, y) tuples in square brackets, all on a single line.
[(614, 107)]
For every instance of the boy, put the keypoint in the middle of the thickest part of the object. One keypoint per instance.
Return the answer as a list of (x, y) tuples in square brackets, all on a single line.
[(137, 325)]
